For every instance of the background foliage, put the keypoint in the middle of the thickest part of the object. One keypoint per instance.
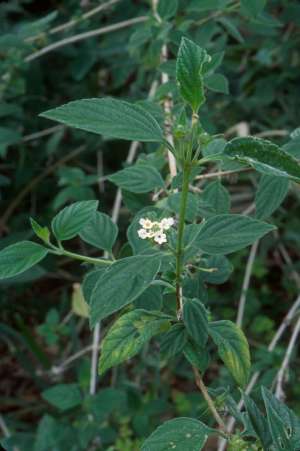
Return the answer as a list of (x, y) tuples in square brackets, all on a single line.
[(45, 394)]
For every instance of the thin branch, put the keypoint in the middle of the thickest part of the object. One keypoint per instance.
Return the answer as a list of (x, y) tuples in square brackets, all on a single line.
[(71, 23), (200, 384), (85, 35), (42, 133), (270, 133), (279, 393), (221, 173), (246, 283)]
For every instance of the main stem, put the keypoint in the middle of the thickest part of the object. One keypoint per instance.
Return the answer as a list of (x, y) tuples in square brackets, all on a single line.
[(179, 267), (179, 248)]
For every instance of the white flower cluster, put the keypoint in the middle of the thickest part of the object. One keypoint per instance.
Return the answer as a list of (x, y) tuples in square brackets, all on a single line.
[(155, 230)]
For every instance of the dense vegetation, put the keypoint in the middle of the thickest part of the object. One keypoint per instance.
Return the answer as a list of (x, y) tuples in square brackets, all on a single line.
[(54, 52)]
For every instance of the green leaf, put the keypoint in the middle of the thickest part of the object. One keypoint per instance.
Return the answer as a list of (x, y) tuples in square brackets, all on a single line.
[(284, 425), (189, 66), (258, 422), (19, 257), (121, 284), (217, 83), (140, 178), (223, 234), (217, 196), (150, 299), (271, 192), (41, 232), (221, 266), (72, 219), (181, 434), (63, 396), (196, 321), (253, 7), (233, 349), (196, 356), (173, 341), (166, 10), (264, 156), (89, 282), (109, 117), (128, 335), (100, 232)]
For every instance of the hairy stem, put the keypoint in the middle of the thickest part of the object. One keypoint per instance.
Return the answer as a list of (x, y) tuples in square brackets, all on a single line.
[(179, 248)]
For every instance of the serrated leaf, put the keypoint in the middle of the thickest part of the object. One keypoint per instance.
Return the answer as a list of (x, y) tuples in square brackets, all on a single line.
[(233, 349), (63, 396), (173, 341), (189, 77), (217, 83), (17, 258), (128, 335), (271, 192), (258, 422), (100, 232), (284, 425), (121, 284), (264, 156), (223, 234), (196, 321), (181, 434), (109, 117), (72, 219), (140, 178)]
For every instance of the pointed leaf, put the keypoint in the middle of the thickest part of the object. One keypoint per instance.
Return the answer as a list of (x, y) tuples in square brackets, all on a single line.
[(72, 219), (181, 434), (100, 232), (223, 234), (264, 156), (109, 117), (258, 422), (189, 66), (121, 284), (128, 335), (233, 349), (19, 257)]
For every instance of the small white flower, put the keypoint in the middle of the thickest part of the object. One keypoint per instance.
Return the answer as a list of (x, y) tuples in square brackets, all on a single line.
[(167, 223), (160, 238), (146, 223), (143, 234)]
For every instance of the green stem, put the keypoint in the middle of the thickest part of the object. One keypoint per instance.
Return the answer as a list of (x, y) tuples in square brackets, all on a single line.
[(84, 258), (179, 247)]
